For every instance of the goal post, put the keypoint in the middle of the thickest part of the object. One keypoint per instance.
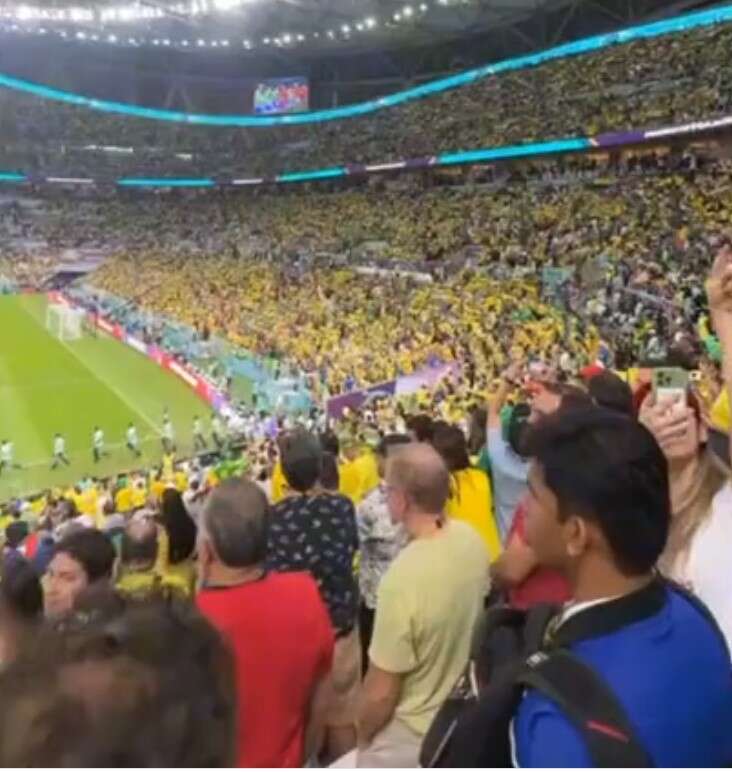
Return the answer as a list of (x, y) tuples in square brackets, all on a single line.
[(64, 322)]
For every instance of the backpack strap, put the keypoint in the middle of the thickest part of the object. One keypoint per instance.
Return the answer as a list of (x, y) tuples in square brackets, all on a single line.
[(588, 702)]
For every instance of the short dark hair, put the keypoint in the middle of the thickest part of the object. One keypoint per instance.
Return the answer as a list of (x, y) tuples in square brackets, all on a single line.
[(391, 441), (135, 710), (20, 588), (302, 460), (236, 519), (329, 442), (519, 428), (608, 468), (92, 550), (450, 443), (610, 391), (422, 425), (571, 397), (330, 478)]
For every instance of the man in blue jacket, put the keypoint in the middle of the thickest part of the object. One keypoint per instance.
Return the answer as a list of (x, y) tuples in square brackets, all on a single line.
[(599, 513)]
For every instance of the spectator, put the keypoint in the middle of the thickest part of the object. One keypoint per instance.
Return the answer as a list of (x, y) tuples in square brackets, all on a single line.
[(421, 428), (81, 559), (428, 602), (193, 499), (508, 465), (176, 542), (21, 607), (138, 552), (699, 538), (276, 625), (598, 512), (610, 391), (380, 541), (470, 489), (316, 531), (517, 571), (148, 686)]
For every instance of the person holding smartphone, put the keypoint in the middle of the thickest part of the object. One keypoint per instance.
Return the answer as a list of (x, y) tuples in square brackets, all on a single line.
[(700, 538)]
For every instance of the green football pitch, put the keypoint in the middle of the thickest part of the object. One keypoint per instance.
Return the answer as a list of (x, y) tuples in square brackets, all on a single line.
[(49, 386)]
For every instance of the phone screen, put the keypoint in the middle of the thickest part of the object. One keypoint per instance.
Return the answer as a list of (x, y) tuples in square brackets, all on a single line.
[(670, 383)]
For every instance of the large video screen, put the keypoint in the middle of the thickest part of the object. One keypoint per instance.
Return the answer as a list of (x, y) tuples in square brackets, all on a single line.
[(284, 95)]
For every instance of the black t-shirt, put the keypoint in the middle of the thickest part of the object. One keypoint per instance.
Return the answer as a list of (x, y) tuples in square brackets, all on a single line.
[(318, 534)]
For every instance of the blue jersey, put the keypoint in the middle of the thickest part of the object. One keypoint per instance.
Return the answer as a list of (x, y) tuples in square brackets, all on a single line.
[(672, 675)]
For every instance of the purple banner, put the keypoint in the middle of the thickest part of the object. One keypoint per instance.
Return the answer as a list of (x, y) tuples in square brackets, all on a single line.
[(353, 400), (427, 376), (618, 138)]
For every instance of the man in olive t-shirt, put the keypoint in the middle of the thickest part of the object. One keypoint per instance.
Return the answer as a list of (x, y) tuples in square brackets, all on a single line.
[(427, 606)]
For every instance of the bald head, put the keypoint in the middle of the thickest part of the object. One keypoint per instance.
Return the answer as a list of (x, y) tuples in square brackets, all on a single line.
[(420, 473), (235, 520)]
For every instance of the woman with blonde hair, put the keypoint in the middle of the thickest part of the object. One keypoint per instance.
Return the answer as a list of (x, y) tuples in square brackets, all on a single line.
[(699, 546)]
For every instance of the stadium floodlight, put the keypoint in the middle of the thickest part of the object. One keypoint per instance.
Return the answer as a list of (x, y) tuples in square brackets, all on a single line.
[(184, 43), (200, 43), (287, 38), (408, 10), (300, 38), (166, 42), (112, 38), (370, 22), (397, 16), (424, 7), (81, 35), (331, 34), (359, 27), (345, 29)]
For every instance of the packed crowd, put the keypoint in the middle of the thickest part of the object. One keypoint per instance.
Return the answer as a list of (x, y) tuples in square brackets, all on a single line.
[(638, 85), (141, 620), (633, 241)]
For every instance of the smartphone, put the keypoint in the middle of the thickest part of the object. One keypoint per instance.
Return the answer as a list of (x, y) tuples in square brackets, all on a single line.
[(670, 383)]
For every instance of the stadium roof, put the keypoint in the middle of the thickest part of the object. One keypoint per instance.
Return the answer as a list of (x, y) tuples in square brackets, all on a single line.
[(289, 25)]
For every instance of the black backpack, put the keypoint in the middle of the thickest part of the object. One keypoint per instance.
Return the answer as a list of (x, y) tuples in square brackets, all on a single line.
[(516, 650)]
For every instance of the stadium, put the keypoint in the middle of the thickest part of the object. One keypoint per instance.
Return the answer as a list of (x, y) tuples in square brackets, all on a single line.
[(369, 363)]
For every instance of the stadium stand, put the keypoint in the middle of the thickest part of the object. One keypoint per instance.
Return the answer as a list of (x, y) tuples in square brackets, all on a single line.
[(640, 85)]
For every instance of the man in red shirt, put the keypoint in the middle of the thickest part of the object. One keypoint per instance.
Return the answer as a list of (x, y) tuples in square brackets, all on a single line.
[(276, 624), (517, 570)]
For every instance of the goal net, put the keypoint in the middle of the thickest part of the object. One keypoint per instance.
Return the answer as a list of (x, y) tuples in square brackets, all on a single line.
[(63, 322)]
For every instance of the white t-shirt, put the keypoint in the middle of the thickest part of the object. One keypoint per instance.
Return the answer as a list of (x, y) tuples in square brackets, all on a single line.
[(708, 569)]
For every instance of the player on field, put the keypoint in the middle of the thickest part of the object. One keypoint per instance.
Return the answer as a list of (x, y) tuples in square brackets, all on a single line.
[(199, 441), (6, 456), (59, 451), (98, 445), (168, 435), (133, 441)]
